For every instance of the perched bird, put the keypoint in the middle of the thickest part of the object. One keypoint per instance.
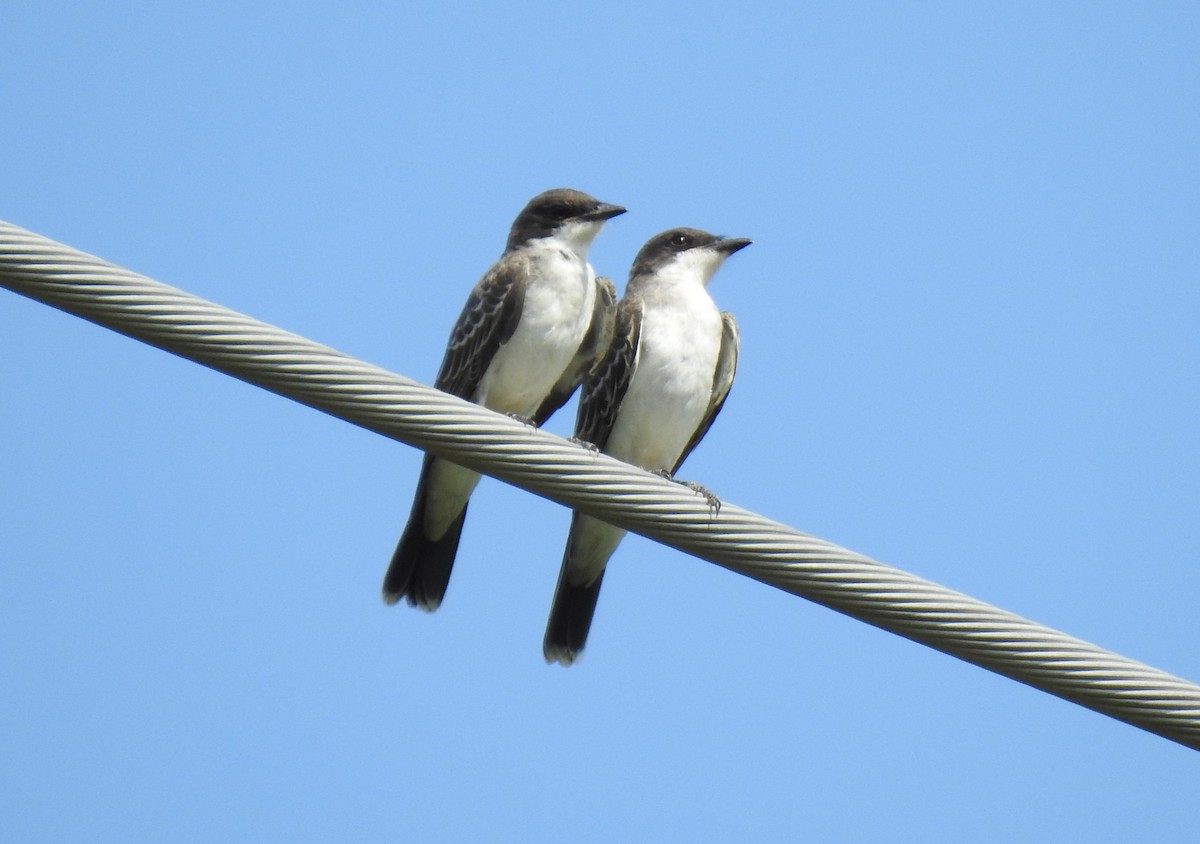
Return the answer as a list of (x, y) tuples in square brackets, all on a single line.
[(650, 401), (533, 328)]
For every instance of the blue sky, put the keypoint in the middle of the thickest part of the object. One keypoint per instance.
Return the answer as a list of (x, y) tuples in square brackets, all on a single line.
[(969, 349)]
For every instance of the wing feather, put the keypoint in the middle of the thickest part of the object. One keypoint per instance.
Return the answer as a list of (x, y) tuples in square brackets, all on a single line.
[(605, 389), (488, 319), (723, 374)]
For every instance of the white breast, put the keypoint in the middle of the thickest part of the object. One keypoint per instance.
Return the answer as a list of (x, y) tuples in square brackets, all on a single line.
[(559, 297), (672, 383)]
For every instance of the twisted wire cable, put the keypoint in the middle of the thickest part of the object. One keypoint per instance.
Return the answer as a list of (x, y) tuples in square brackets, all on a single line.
[(598, 485)]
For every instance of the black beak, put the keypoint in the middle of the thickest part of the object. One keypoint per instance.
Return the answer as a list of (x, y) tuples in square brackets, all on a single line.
[(603, 211), (729, 245)]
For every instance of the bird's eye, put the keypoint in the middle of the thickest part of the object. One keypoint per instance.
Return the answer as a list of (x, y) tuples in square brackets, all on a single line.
[(682, 240)]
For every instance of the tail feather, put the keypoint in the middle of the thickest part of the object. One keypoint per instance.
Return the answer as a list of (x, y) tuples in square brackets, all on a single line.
[(420, 566), (570, 618)]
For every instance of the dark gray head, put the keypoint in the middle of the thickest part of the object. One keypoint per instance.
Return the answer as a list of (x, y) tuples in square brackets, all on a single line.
[(569, 214), (685, 251)]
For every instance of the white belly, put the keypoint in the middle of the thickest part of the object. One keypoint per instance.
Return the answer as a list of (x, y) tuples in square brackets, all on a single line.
[(672, 383), (592, 543), (664, 405), (559, 298)]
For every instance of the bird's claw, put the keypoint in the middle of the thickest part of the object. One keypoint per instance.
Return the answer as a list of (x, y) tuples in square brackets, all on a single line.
[(582, 443), (714, 503), (524, 420)]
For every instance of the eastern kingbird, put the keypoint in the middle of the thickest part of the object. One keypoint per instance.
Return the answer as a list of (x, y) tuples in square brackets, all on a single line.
[(533, 328), (649, 402)]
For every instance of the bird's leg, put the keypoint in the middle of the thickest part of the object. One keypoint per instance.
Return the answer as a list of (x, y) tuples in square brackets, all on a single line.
[(524, 420), (714, 503), (582, 443)]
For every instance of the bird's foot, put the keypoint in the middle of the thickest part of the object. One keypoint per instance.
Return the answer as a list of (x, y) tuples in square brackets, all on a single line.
[(591, 447), (714, 503), (524, 420)]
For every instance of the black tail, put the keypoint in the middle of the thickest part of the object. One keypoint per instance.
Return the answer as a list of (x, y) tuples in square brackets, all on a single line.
[(570, 617), (420, 567)]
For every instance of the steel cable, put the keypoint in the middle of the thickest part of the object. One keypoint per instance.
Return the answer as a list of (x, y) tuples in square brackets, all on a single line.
[(534, 460)]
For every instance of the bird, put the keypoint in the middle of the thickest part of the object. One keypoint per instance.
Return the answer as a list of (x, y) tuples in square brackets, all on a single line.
[(533, 328), (650, 401)]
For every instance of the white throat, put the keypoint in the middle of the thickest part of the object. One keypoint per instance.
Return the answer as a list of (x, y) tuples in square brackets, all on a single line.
[(695, 267), (578, 236)]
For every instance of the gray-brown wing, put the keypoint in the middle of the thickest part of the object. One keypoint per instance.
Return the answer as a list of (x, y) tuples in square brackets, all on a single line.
[(487, 321), (591, 350), (722, 381), (605, 389)]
